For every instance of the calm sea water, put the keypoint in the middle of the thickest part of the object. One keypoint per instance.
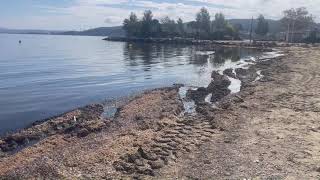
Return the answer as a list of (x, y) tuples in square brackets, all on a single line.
[(48, 75)]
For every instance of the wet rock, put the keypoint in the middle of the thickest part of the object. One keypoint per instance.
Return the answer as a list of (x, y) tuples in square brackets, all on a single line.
[(219, 94), (241, 73), (198, 95), (229, 72), (222, 82), (215, 75), (156, 164)]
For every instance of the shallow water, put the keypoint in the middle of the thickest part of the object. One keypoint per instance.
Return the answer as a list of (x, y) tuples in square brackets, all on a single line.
[(48, 75)]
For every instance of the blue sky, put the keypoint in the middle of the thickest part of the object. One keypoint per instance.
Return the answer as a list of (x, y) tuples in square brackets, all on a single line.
[(84, 14)]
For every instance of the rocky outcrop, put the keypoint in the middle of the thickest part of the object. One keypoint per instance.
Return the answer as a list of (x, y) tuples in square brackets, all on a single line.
[(197, 95), (229, 72), (219, 86)]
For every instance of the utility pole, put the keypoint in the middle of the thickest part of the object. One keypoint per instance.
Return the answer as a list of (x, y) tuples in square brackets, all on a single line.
[(251, 30)]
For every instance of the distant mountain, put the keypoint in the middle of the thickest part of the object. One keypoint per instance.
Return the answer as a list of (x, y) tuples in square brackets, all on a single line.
[(116, 31), (27, 31), (274, 25), (101, 31)]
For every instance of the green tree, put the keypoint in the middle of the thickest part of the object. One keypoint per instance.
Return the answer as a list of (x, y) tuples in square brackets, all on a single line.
[(146, 23), (262, 27), (130, 25), (203, 22), (169, 26), (219, 26)]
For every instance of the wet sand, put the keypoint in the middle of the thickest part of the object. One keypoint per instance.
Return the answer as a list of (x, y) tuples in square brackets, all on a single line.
[(270, 129)]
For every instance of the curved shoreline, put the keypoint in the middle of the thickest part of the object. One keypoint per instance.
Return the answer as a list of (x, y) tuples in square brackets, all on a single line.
[(78, 122), (149, 138)]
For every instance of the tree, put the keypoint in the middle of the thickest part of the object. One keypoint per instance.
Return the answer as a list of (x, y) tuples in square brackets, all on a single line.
[(147, 21), (131, 25), (219, 26), (203, 22), (262, 26), (296, 20), (219, 22), (169, 26)]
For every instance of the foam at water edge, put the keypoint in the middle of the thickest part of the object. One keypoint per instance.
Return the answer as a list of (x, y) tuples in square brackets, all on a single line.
[(188, 104)]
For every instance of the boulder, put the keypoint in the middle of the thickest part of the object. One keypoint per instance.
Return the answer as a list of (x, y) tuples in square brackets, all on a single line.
[(218, 94), (229, 72), (241, 73), (198, 95), (222, 82)]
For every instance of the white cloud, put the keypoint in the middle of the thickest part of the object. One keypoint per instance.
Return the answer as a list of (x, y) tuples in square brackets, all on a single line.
[(83, 14)]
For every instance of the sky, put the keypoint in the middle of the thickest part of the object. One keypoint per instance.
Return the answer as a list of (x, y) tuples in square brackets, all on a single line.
[(86, 14)]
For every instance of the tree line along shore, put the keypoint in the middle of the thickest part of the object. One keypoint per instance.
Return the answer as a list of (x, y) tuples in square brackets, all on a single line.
[(297, 25)]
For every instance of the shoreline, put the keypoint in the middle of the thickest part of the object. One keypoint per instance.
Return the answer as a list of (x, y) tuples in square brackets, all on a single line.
[(120, 101), (125, 98), (93, 121), (249, 134)]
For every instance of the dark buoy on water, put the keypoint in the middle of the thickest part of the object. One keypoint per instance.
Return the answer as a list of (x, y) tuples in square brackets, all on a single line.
[(20, 41)]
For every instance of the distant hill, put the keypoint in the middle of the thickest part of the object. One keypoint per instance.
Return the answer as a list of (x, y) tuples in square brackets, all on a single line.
[(101, 31), (27, 31), (116, 31)]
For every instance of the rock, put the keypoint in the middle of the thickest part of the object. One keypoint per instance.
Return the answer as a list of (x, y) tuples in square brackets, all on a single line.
[(229, 72), (198, 95), (215, 75), (219, 94), (147, 155), (241, 73), (222, 82), (156, 164)]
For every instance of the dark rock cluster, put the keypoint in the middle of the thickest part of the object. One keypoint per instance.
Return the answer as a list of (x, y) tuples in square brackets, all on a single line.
[(218, 88)]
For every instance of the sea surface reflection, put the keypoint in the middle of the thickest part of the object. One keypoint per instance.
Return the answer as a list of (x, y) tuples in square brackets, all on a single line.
[(48, 75)]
